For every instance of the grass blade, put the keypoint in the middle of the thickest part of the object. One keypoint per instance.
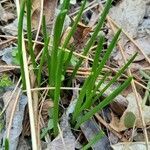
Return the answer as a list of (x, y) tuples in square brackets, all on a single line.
[(94, 140), (95, 65), (71, 33), (97, 69), (57, 61), (89, 98), (20, 34), (6, 144), (44, 53), (42, 59), (80, 99), (44, 28), (56, 41), (29, 35), (98, 51), (92, 39), (115, 77), (65, 5), (57, 77), (104, 103), (92, 78), (57, 93)]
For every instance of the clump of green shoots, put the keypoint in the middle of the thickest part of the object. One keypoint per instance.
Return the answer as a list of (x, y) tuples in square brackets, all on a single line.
[(54, 58)]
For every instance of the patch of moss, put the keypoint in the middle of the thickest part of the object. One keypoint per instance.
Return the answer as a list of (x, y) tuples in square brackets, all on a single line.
[(5, 81)]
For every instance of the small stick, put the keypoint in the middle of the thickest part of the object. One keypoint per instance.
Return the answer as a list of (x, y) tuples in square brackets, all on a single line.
[(53, 88)]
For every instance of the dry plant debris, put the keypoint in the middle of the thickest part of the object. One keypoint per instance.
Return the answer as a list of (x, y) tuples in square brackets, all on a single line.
[(122, 124)]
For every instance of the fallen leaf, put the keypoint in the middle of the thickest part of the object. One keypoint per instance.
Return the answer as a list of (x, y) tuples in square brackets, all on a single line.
[(139, 136), (132, 113), (47, 105), (81, 35), (57, 144), (23, 144), (114, 121), (129, 50), (94, 17), (144, 43), (132, 13), (130, 146), (12, 28), (113, 138), (65, 35), (7, 55), (90, 129), (48, 10), (67, 141), (120, 102), (5, 16), (16, 127)]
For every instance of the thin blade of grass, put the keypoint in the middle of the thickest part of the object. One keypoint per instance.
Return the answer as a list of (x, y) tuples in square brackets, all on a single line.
[(85, 86), (57, 81), (97, 54), (65, 5), (113, 43), (57, 37), (57, 62), (92, 39), (71, 33), (104, 103), (94, 75), (6, 146), (100, 83), (42, 59), (96, 70), (45, 53), (94, 140), (29, 35), (56, 41), (44, 28), (20, 28), (89, 98), (115, 77), (57, 93), (80, 99), (94, 66)]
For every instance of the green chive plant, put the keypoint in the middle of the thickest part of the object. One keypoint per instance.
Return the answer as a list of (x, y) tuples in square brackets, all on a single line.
[(54, 57)]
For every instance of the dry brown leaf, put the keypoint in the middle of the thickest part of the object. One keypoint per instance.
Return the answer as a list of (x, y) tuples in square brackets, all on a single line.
[(5, 16), (65, 35), (130, 49), (114, 122), (128, 14), (49, 11), (127, 91), (47, 104), (130, 146), (132, 107), (81, 35), (61, 143), (11, 104)]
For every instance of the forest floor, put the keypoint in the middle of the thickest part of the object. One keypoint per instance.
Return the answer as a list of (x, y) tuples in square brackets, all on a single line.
[(133, 17)]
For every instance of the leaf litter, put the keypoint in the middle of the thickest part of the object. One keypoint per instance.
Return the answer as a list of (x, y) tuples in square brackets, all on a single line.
[(140, 27), (16, 128)]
